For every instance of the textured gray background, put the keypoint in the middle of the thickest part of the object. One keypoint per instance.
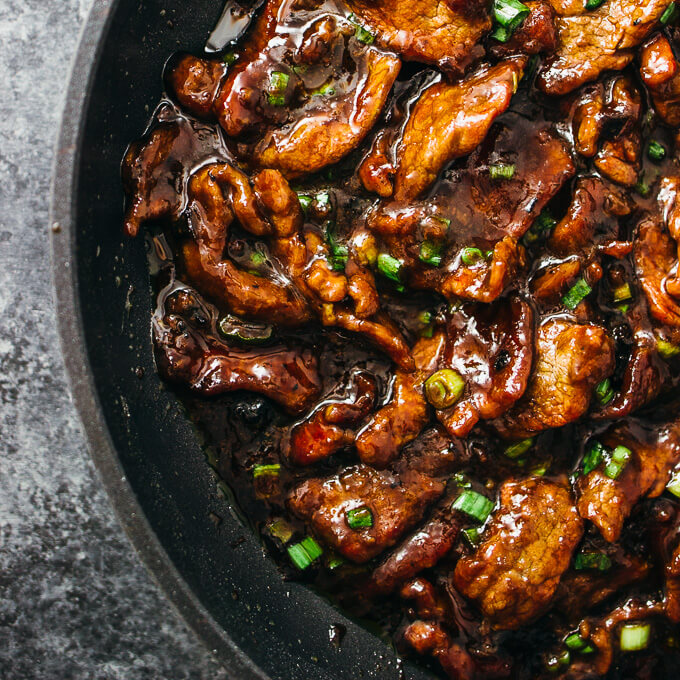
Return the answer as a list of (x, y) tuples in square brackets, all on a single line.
[(75, 601)]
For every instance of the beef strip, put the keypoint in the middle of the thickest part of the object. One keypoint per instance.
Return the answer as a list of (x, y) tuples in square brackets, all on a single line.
[(513, 574), (490, 347), (661, 74), (536, 34), (608, 502), (445, 34), (599, 40), (571, 359)]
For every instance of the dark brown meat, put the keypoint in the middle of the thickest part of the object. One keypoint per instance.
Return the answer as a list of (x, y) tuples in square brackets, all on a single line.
[(490, 347), (592, 42), (571, 359), (433, 32), (514, 573), (331, 426), (407, 413), (450, 121), (195, 83), (660, 73), (536, 35), (210, 367), (396, 499), (672, 586), (608, 502)]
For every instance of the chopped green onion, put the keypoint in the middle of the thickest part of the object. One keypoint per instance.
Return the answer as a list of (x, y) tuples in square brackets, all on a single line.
[(634, 637), (425, 318), (666, 349), (674, 484), (656, 151), (390, 267), (518, 448), (643, 188), (256, 258), (575, 642), (326, 90), (444, 388), (361, 34), (474, 505), (604, 391), (304, 553), (620, 456), (360, 518), (461, 480), (249, 332), (669, 14), (305, 202), (229, 58), (588, 649), (593, 457), (280, 529), (576, 294), (314, 550), (267, 470), (545, 221), (592, 560), (559, 661), (509, 13), (593, 4), (623, 308), (470, 256), (427, 332), (541, 469), (501, 34), (339, 253), (472, 536), (502, 171), (431, 253), (622, 293), (334, 562), (278, 83)]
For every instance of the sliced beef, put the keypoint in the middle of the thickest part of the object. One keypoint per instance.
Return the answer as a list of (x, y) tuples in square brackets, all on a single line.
[(571, 359), (536, 34), (660, 72), (607, 502), (403, 418), (599, 40), (490, 347), (514, 573), (445, 34), (672, 586)]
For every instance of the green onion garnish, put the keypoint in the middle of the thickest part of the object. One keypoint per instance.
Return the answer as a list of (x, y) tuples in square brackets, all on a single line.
[(280, 529), (669, 14), (518, 448), (390, 267), (556, 663), (278, 83), (594, 456), (305, 202), (593, 4), (622, 293), (472, 536), (444, 388), (360, 518), (643, 188), (470, 256), (474, 505), (272, 470), (592, 560), (575, 642), (431, 253), (304, 553), (461, 480), (604, 391), (326, 90), (229, 58), (314, 550), (634, 636), (502, 171), (339, 253), (509, 13), (620, 456), (501, 34), (666, 349), (425, 318), (674, 484), (361, 34), (576, 294), (656, 151), (334, 562)]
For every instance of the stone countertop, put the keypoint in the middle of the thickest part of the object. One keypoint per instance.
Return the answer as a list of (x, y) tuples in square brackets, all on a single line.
[(75, 601)]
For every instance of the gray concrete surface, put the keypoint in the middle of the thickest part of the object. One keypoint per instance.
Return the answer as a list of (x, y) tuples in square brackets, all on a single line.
[(75, 602)]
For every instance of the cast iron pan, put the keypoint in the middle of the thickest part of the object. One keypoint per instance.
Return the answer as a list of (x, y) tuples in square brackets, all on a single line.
[(147, 452)]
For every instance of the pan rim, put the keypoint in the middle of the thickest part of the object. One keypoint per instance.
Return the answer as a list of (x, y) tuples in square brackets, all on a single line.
[(62, 215)]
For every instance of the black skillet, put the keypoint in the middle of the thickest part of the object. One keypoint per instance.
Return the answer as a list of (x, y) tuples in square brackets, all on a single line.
[(148, 454)]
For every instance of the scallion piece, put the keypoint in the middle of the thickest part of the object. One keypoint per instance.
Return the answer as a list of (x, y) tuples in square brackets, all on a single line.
[(576, 294), (622, 293), (559, 661), (474, 505), (674, 484), (273, 470), (502, 171), (592, 560), (431, 253), (314, 550), (667, 349), (390, 267), (643, 188), (444, 388), (360, 518), (669, 14), (509, 13), (335, 562), (594, 456), (278, 84), (604, 391), (470, 256), (575, 642), (472, 536), (229, 58), (361, 34), (326, 90), (305, 202), (656, 151), (461, 480), (634, 637), (620, 456), (593, 4), (299, 556), (518, 449), (501, 34), (280, 529)]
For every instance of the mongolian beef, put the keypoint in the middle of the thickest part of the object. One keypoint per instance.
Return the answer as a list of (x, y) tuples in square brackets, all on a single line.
[(416, 266)]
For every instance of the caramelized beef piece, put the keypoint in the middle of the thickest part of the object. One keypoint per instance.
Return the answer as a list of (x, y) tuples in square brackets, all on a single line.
[(592, 42), (438, 33), (608, 502), (571, 359), (331, 426), (619, 160), (449, 121), (660, 73), (536, 35), (514, 573), (195, 83), (491, 349), (407, 413), (553, 281), (209, 367), (672, 586), (396, 499)]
